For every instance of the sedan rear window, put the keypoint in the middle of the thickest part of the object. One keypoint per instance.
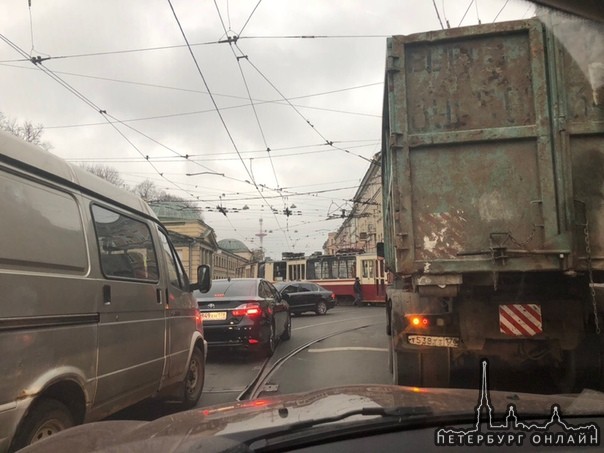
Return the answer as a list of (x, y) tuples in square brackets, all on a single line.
[(233, 288)]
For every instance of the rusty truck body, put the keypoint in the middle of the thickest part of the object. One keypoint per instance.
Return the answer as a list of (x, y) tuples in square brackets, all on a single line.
[(493, 182)]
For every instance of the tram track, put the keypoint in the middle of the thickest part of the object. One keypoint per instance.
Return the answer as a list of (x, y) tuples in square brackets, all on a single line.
[(254, 388)]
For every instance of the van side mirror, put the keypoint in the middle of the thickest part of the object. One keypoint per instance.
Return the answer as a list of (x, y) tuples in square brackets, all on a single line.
[(204, 279), (380, 249)]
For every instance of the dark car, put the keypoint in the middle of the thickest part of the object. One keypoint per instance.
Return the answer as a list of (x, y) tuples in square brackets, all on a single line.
[(244, 313), (307, 296)]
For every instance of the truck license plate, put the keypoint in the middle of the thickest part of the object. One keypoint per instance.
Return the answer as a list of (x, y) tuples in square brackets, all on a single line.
[(213, 315), (425, 340)]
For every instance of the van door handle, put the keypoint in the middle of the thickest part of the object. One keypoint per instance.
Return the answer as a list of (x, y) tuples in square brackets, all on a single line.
[(158, 292), (107, 294)]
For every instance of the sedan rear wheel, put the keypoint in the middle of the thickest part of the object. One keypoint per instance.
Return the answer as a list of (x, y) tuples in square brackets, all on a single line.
[(321, 308), (287, 334), (269, 346)]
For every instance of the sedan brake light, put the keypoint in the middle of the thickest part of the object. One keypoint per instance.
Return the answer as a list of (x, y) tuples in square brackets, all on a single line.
[(249, 310)]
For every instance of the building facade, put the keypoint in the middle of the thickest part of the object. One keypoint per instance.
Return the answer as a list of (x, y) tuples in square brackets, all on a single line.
[(233, 259), (363, 227), (194, 240)]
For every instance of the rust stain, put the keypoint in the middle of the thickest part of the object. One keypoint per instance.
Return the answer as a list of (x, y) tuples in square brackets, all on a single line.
[(441, 235)]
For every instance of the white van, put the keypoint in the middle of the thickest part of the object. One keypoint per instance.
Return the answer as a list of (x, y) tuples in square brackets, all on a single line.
[(96, 311)]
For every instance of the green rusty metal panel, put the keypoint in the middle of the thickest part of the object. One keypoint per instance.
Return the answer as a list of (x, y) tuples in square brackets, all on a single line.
[(470, 179), (579, 50)]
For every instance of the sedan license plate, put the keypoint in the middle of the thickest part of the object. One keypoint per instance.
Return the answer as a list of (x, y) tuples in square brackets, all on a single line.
[(425, 340), (213, 315)]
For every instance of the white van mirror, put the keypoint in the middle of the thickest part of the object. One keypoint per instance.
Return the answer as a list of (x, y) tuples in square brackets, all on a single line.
[(204, 279)]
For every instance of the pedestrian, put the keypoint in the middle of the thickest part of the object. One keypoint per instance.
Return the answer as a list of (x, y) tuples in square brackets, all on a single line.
[(358, 296)]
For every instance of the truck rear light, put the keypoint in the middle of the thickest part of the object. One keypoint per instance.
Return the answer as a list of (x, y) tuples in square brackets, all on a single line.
[(419, 321), (250, 310)]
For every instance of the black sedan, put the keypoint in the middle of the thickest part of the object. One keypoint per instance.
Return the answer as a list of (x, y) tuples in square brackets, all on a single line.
[(307, 296), (244, 313)]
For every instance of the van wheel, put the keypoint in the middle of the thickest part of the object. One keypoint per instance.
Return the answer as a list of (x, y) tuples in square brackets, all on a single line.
[(194, 380), (45, 418)]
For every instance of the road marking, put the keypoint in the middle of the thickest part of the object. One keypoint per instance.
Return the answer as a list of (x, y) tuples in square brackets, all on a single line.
[(337, 322), (349, 348)]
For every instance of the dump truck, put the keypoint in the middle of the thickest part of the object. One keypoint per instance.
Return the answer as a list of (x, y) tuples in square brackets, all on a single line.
[(493, 186)]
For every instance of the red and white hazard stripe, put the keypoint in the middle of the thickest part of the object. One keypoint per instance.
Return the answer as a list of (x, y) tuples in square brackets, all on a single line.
[(520, 320)]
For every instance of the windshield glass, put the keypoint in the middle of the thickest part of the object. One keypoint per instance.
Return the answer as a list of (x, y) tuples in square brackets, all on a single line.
[(423, 180)]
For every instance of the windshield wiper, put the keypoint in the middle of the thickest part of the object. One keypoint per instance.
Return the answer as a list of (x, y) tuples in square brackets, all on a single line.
[(394, 415), (403, 412)]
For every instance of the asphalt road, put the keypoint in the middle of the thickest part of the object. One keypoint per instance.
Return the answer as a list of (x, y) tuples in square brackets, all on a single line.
[(355, 352), (352, 348)]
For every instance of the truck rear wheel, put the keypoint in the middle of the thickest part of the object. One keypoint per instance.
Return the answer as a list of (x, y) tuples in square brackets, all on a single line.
[(421, 369)]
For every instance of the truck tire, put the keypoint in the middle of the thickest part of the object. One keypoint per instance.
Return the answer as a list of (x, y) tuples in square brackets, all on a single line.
[(421, 369), (46, 417), (194, 380)]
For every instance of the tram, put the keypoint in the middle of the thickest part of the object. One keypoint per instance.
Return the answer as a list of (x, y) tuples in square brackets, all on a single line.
[(333, 272)]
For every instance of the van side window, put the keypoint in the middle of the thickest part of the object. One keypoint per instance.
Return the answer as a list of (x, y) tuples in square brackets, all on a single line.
[(41, 229), (175, 270), (125, 246)]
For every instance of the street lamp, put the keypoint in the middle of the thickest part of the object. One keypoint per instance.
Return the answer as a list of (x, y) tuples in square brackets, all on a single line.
[(205, 173)]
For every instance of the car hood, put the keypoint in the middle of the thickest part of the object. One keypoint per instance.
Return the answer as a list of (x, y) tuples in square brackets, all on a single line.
[(221, 427)]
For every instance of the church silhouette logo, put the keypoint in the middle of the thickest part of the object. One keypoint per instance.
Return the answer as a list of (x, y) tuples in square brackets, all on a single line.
[(514, 432)]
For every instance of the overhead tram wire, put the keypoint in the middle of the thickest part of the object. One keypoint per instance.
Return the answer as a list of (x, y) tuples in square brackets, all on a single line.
[(328, 142), (221, 157), (438, 14), (501, 10), (477, 14), (170, 47), (115, 52), (247, 89), (464, 14), (222, 120), (151, 85), (250, 16), (212, 97), (237, 58), (88, 102)]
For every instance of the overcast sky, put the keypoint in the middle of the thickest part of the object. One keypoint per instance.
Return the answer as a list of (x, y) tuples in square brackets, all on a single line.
[(313, 70)]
